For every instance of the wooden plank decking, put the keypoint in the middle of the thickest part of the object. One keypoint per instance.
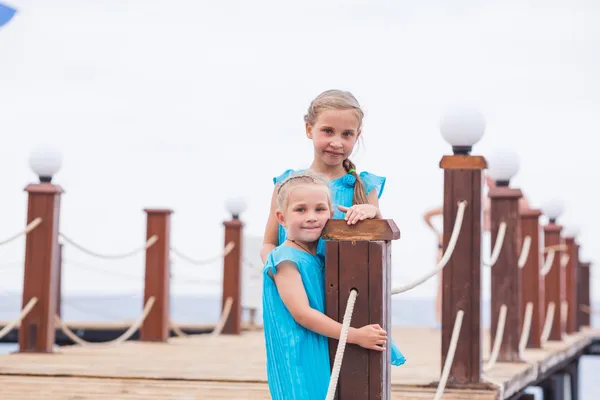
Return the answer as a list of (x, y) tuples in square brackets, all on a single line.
[(233, 367)]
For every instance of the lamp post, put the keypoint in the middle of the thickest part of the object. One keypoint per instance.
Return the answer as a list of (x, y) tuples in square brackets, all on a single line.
[(41, 279), (554, 280), (503, 165), (570, 272), (461, 279), (232, 265)]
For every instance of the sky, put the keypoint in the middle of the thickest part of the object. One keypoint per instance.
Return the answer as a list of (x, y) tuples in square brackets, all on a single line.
[(184, 104)]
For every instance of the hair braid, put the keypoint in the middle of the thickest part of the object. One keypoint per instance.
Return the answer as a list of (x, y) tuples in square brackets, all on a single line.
[(360, 192)]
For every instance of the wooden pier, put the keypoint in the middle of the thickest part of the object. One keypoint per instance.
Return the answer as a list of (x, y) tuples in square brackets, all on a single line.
[(539, 331), (233, 367)]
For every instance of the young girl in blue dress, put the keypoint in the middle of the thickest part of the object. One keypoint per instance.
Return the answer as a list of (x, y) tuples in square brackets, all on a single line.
[(333, 123), (295, 326)]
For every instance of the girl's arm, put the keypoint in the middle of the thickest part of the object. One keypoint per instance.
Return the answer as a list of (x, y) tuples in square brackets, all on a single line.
[(291, 289), (360, 212), (271, 230), (374, 200), (432, 213)]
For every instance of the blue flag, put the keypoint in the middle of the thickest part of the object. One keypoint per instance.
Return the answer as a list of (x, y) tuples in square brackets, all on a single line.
[(6, 14)]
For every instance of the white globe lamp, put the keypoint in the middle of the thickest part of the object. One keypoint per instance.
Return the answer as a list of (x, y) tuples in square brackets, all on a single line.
[(571, 231), (462, 128), (553, 209), (45, 163), (503, 165), (236, 206)]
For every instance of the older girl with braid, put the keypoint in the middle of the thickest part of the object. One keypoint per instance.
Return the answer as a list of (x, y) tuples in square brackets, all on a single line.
[(334, 124)]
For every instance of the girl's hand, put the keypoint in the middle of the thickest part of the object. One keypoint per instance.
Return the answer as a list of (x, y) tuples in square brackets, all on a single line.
[(371, 337), (359, 212)]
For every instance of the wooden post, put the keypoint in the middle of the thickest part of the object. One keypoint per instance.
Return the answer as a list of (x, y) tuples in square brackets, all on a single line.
[(553, 282), (59, 281), (36, 333), (359, 257), (232, 276), (571, 285), (584, 294), (156, 325), (506, 288), (532, 284), (461, 278)]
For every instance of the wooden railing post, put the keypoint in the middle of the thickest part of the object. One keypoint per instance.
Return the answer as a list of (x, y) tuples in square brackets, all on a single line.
[(506, 288), (59, 280), (571, 285), (553, 281), (359, 257), (232, 276), (532, 287), (461, 278), (584, 294), (37, 333), (156, 325)]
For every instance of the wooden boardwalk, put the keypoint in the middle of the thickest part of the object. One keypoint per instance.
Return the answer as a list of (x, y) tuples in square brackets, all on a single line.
[(233, 367)]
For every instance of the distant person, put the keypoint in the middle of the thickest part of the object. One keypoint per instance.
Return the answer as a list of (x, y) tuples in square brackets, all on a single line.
[(296, 328), (334, 124), (523, 205)]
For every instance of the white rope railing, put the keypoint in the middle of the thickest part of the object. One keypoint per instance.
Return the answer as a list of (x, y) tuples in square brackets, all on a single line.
[(556, 247), (30, 226), (339, 353), (450, 355), (26, 310), (224, 316), (149, 243), (548, 263), (564, 311), (226, 250), (447, 254), (218, 327), (548, 323), (525, 251), (177, 330), (498, 245), (124, 337), (564, 260), (497, 339), (525, 331)]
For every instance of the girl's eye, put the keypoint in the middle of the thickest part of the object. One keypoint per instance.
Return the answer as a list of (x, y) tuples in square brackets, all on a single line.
[(348, 134), (300, 209), (328, 130), (321, 209)]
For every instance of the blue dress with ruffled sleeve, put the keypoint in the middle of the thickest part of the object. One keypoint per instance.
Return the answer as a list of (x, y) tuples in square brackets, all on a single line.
[(342, 193), (297, 358)]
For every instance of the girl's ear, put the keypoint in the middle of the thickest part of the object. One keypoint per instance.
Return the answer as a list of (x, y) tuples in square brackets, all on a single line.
[(280, 218), (309, 131)]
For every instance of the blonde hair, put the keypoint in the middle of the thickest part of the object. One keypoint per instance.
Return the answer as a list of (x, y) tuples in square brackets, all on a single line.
[(295, 180), (340, 100)]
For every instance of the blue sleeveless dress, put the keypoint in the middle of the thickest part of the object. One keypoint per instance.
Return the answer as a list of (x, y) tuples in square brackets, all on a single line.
[(297, 358), (342, 192)]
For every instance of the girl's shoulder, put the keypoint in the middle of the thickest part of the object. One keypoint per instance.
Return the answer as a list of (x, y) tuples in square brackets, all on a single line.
[(371, 181), (283, 253)]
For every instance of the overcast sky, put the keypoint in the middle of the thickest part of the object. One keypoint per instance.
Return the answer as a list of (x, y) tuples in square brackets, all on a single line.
[(183, 104)]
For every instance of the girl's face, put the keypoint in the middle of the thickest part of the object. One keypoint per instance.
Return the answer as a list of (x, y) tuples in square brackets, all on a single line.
[(334, 135), (306, 213)]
